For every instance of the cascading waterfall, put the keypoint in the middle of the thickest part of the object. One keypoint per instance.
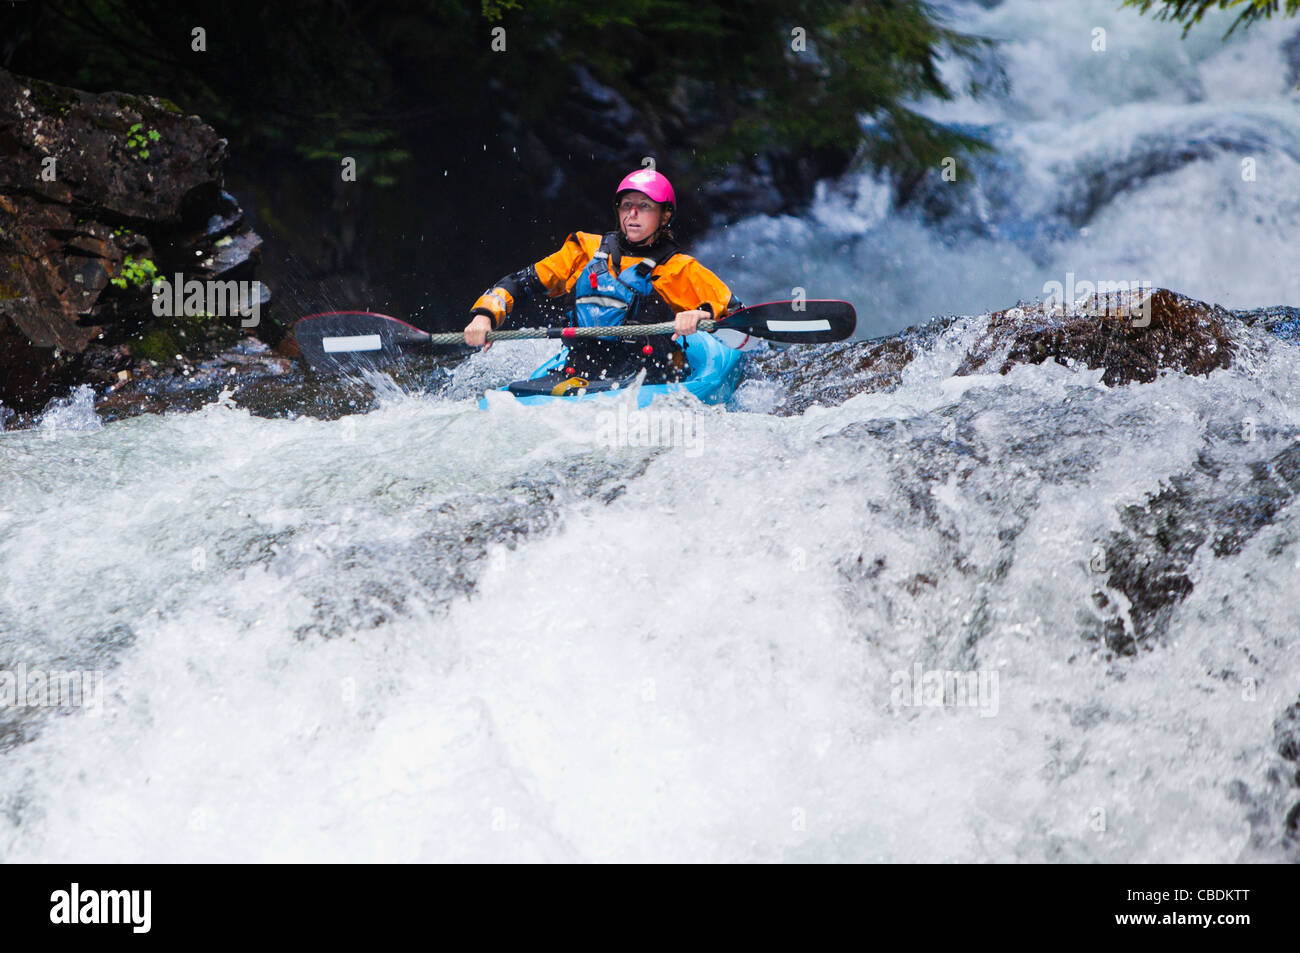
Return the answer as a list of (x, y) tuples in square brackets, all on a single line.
[(1120, 165)]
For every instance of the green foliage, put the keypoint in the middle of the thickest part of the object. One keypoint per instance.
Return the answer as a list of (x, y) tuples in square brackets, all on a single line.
[(368, 80), (136, 274), (138, 139), (866, 58), (378, 153), (1190, 12), (493, 9)]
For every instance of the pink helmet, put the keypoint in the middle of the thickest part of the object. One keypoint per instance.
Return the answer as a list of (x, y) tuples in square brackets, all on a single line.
[(652, 183)]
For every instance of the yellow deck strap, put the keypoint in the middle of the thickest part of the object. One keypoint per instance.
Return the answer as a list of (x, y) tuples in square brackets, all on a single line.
[(573, 383)]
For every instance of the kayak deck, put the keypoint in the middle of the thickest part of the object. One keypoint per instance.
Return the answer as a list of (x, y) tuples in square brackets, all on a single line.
[(715, 373)]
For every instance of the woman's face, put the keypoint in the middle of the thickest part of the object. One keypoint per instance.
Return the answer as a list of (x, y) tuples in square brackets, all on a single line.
[(639, 216)]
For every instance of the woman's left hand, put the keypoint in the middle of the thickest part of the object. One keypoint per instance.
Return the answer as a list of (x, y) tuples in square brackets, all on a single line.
[(686, 321)]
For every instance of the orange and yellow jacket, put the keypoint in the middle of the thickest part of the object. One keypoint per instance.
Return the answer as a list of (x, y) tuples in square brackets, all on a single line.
[(681, 282)]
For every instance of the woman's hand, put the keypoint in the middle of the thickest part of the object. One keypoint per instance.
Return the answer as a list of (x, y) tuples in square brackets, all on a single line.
[(686, 321), (476, 332)]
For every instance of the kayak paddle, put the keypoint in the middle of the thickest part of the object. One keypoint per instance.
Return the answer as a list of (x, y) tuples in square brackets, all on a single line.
[(340, 337)]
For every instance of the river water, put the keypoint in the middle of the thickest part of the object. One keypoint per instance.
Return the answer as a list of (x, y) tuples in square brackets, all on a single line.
[(434, 632)]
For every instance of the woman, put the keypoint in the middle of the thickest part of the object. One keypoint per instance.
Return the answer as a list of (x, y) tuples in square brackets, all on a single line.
[(635, 275)]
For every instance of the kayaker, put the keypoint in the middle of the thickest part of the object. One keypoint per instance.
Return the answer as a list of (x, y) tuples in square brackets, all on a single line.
[(635, 275)]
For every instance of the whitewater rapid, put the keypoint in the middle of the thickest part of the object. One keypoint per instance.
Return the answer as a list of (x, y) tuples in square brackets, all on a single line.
[(432, 632), (1119, 165)]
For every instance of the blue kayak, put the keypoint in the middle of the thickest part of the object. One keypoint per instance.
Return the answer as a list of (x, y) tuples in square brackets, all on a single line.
[(715, 372)]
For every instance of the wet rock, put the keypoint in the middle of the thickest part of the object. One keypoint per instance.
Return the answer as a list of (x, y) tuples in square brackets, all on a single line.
[(54, 264), (1280, 321), (152, 387), (100, 152), (1286, 737), (98, 194), (1222, 503), (1132, 335), (230, 253), (833, 373), (1286, 733), (267, 382)]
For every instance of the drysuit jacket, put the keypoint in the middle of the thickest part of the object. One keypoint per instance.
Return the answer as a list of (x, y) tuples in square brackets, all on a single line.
[(543, 293)]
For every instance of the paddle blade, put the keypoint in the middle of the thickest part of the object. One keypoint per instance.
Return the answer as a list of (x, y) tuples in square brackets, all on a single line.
[(344, 340), (795, 322), (737, 340)]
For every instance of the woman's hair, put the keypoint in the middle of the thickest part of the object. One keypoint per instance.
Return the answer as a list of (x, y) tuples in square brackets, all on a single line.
[(666, 228)]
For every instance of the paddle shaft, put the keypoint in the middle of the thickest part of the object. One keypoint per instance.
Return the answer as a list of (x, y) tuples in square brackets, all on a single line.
[(335, 337), (621, 331)]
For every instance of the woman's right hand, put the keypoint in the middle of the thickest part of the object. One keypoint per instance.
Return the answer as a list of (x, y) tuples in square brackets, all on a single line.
[(476, 332)]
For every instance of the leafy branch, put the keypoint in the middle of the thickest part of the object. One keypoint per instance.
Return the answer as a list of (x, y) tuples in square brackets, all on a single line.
[(1190, 12)]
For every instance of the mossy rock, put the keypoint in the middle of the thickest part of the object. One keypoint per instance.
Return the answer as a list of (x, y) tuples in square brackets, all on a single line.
[(53, 100), (150, 110), (156, 345), (108, 122), (170, 335)]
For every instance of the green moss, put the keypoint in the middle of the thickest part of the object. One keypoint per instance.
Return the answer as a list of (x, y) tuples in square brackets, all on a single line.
[(52, 100), (168, 105), (107, 122), (158, 344), (165, 336), (6, 292)]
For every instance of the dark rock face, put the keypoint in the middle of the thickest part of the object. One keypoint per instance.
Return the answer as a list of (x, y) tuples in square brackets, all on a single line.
[(97, 194), (833, 373), (1132, 335), (90, 137), (575, 158)]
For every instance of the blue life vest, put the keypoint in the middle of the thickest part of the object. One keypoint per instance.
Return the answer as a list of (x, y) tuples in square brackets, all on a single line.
[(604, 299)]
